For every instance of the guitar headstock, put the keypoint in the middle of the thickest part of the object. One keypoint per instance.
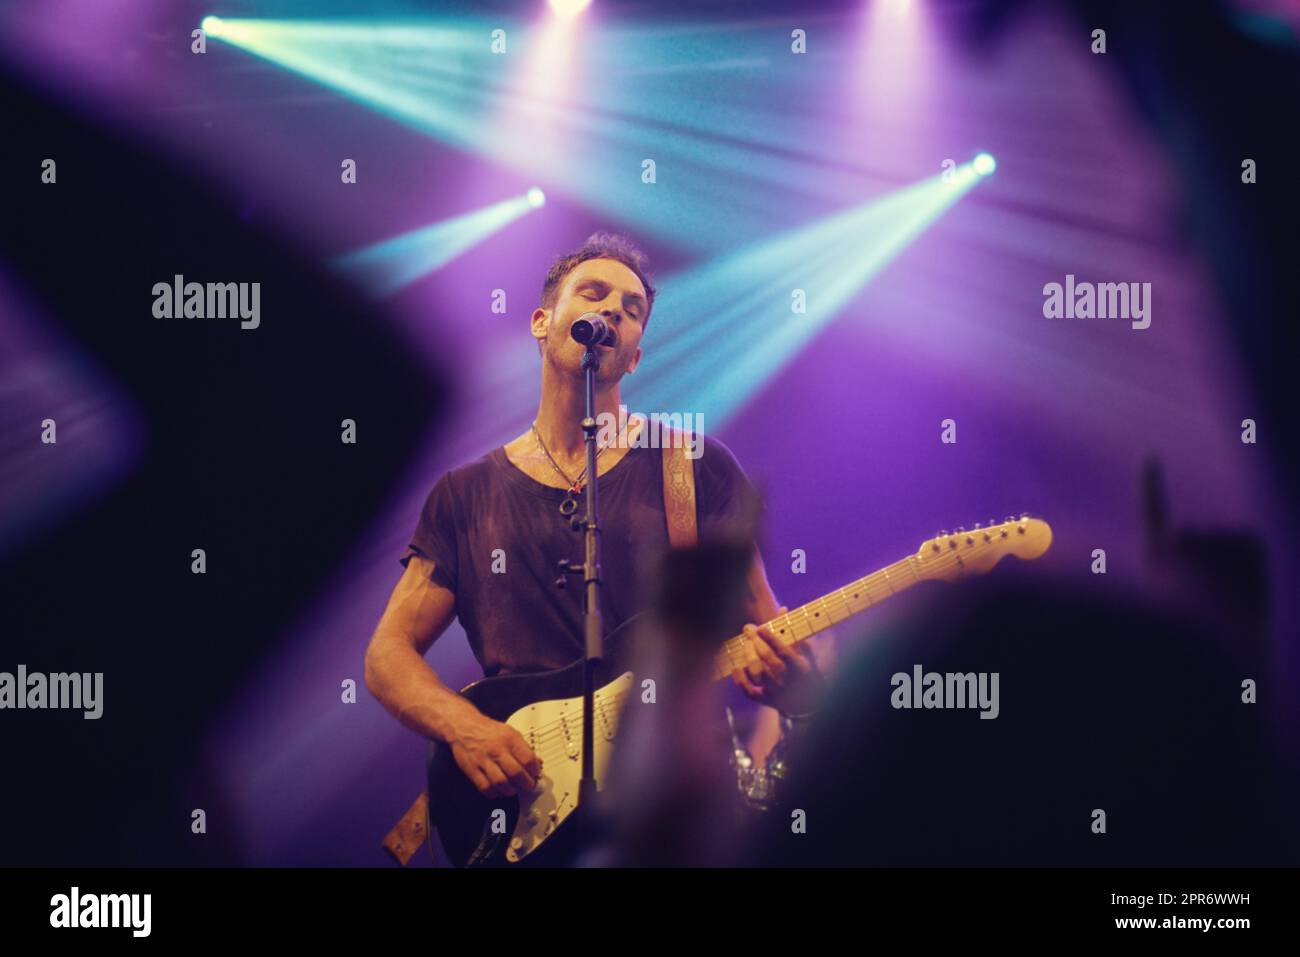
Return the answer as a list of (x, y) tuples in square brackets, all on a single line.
[(953, 555)]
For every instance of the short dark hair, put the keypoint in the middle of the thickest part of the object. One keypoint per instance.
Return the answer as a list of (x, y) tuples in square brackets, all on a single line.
[(601, 245)]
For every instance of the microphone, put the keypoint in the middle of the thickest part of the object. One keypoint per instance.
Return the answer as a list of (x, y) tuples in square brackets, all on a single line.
[(591, 329)]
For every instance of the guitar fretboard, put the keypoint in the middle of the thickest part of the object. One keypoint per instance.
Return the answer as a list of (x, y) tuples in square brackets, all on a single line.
[(821, 613)]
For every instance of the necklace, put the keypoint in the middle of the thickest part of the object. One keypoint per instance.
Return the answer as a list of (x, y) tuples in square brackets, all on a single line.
[(570, 503)]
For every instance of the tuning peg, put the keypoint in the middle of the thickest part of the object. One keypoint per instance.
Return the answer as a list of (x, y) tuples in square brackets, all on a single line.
[(943, 533), (977, 525), (1009, 518), (1024, 515), (960, 529), (992, 522)]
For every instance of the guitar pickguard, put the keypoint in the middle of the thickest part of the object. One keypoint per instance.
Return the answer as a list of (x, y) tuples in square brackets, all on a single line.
[(553, 729)]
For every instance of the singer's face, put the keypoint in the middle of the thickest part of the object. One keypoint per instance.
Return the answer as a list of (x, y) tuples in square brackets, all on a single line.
[(605, 287)]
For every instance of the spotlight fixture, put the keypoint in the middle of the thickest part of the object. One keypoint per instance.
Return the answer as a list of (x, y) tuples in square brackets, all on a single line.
[(568, 9)]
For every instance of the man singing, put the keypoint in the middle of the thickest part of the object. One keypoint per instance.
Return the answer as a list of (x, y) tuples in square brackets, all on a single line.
[(516, 498)]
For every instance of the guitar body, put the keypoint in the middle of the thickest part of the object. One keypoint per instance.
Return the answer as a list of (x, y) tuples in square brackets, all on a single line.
[(546, 708)]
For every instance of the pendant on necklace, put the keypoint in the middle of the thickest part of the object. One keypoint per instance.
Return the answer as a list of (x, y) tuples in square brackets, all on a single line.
[(570, 503)]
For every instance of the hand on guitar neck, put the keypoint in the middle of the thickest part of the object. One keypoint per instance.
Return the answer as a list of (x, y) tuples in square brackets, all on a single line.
[(784, 676)]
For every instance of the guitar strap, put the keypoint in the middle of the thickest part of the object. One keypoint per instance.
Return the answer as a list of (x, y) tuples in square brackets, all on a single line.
[(410, 832), (679, 492)]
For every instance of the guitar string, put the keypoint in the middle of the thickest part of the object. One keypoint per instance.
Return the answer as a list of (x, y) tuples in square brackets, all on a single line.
[(839, 599), (557, 749), (605, 710), (949, 559)]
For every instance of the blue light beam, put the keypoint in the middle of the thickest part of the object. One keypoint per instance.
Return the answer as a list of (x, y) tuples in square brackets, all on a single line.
[(387, 266)]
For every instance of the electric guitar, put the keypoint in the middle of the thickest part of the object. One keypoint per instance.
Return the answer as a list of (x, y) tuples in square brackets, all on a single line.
[(546, 708)]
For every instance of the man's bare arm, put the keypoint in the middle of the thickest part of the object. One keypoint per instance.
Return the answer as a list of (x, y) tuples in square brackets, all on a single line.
[(493, 755), (418, 612)]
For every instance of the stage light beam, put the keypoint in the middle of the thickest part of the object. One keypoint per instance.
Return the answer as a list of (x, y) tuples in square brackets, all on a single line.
[(544, 114), (536, 198), (985, 164), (389, 265), (727, 327)]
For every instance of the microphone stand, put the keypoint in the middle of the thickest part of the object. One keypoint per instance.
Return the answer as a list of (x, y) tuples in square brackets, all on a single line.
[(593, 622)]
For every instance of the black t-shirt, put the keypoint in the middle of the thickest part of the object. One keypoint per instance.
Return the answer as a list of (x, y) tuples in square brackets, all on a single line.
[(490, 515)]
